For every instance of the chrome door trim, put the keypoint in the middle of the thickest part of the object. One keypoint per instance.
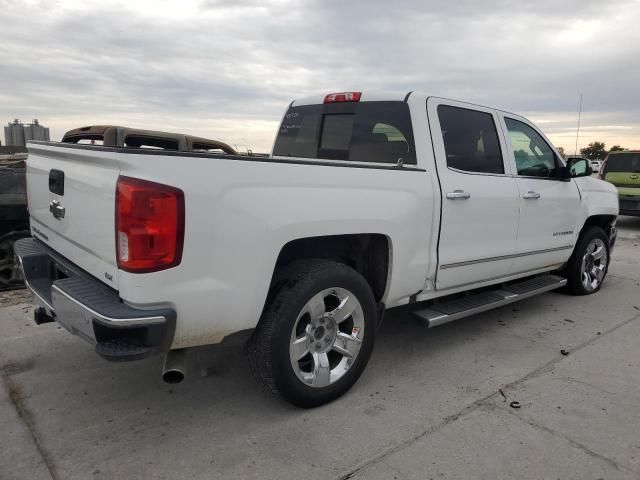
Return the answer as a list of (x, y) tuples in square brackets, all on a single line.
[(503, 257)]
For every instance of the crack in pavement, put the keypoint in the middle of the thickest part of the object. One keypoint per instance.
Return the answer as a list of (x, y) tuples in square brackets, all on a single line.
[(529, 421), (582, 382), (27, 418), (472, 407)]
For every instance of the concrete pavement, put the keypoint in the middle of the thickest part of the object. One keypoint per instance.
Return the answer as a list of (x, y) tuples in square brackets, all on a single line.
[(428, 405)]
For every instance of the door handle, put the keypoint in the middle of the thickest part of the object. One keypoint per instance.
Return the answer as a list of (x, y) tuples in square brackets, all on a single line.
[(531, 195), (458, 194)]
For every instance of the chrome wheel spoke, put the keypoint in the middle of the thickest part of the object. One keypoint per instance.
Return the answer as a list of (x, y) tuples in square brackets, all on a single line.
[(299, 348), (347, 345), (598, 252), (321, 370), (345, 309), (597, 274)]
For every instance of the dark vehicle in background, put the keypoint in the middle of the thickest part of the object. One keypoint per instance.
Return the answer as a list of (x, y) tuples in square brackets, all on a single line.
[(14, 217), (125, 137), (622, 169)]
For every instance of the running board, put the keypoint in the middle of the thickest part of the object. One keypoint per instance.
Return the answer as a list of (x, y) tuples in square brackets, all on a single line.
[(454, 309)]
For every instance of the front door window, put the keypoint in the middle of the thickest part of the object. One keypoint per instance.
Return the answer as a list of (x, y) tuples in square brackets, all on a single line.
[(534, 157)]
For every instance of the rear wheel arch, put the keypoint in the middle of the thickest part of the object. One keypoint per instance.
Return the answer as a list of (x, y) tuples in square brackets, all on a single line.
[(370, 254)]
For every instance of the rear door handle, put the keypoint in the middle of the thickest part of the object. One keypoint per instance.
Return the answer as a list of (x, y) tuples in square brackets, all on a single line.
[(531, 195), (458, 194)]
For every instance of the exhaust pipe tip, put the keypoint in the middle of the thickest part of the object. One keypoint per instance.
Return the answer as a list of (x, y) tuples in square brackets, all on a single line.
[(175, 366), (173, 376)]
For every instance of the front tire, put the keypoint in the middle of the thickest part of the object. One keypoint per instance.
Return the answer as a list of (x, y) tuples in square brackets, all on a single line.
[(316, 334), (589, 263)]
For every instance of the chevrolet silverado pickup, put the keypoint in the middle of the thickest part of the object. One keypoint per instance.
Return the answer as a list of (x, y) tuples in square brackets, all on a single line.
[(367, 202)]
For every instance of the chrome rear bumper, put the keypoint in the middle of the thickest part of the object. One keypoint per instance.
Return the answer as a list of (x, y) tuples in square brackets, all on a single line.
[(91, 310)]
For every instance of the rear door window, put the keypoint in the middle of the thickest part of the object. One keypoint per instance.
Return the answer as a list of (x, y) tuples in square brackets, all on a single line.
[(375, 132), (470, 140)]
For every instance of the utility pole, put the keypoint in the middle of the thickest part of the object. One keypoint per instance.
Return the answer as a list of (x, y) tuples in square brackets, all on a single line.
[(578, 130)]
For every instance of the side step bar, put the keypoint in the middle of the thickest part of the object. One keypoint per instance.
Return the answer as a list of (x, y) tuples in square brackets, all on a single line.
[(460, 307)]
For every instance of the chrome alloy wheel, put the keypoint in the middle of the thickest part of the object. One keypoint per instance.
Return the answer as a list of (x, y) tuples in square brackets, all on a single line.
[(594, 265), (326, 337)]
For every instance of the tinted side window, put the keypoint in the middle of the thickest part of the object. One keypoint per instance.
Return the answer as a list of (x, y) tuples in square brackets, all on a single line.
[(470, 140), (378, 132), (534, 157)]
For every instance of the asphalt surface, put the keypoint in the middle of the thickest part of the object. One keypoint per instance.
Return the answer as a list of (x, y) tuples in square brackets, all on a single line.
[(431, 404)]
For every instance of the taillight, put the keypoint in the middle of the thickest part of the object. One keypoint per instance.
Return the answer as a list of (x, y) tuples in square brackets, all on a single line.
[(343, 97), (149, 225)]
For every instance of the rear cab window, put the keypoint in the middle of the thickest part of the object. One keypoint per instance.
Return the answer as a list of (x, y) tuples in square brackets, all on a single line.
[(622, 162), (373, 132)]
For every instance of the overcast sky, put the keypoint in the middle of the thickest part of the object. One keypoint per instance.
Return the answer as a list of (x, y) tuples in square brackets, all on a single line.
[(227, 69)]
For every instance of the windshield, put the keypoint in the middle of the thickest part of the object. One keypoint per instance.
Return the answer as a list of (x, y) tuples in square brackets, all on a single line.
[(378, 132), (623, 162)]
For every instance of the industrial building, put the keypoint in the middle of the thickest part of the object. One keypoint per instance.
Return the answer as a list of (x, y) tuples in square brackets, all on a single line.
[(18, 133)]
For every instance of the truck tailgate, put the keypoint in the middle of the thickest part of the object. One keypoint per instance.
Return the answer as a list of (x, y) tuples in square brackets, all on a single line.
[(71, 195)]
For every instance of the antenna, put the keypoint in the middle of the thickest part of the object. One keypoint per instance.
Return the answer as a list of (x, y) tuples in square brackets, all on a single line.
[(578, 130)]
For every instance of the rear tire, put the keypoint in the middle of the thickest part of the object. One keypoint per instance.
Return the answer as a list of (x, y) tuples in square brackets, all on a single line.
[(589, 263), (316, 333)]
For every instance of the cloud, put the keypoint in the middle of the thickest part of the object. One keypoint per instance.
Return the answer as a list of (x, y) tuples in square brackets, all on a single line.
[(228, 68)]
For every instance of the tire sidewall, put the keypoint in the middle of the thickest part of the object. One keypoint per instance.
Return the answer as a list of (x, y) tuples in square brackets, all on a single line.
[(284, 377)]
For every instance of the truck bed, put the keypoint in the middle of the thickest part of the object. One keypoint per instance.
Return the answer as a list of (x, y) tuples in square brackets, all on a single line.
[(240, 213)]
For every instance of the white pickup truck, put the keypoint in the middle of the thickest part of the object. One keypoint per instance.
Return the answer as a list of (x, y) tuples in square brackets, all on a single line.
[(367, 202)]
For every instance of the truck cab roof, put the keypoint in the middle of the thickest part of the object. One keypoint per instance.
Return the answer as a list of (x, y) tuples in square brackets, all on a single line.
[(368, 96)]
